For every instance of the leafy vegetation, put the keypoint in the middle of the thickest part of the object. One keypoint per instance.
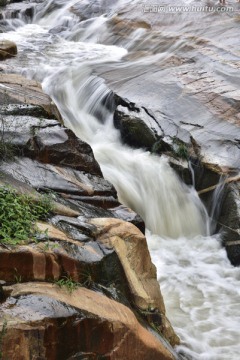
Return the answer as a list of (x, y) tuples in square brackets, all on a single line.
[(18, 215), (69, 283)]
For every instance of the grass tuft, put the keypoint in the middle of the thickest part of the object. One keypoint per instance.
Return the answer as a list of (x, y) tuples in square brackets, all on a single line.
[(68, 283)]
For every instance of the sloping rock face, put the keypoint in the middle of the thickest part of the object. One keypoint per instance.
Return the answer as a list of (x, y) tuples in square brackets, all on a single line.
[(180, 91), (103, 327), (86, 288)]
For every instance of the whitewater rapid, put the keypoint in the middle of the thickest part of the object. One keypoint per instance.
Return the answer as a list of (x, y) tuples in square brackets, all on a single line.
[(200, 287)]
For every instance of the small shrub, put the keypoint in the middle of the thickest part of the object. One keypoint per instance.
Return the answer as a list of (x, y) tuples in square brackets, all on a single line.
[(18, 215)]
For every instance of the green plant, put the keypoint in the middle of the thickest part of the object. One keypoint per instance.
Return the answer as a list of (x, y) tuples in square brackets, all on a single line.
[(18, 215), (50, 246), (68, 282)]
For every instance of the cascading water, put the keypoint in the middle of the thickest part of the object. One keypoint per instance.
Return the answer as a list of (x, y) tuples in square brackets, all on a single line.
[(199, 285)]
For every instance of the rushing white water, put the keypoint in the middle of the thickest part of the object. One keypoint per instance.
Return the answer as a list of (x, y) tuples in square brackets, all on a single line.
[(200, 287)]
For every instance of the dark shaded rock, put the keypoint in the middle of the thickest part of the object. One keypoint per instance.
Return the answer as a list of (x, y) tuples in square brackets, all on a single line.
[(3, 2), (181, 167), (61, 147), (104, 202), (31, 132), (8, 49), (229, 222), (137, 126), (134, 131), (2, 295)]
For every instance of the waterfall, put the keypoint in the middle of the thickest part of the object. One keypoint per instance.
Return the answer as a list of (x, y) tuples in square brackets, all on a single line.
[(144, 182), (200, 287)]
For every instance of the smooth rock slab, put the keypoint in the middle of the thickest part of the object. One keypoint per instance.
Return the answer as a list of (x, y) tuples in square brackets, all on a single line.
[(57, 178), (41, 317), (16, 89)]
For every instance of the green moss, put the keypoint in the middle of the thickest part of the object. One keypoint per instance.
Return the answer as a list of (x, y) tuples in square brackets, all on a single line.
[(181, 150)]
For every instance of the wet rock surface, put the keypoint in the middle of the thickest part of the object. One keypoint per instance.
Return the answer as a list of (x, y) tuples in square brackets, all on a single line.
[(89, 240), (103, 327)]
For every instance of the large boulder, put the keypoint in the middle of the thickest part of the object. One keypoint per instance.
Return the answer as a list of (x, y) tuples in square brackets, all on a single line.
[(104, 254), (40, 317)]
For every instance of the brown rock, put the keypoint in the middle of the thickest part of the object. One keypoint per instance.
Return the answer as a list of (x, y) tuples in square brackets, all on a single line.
[(7, 49), (131, 247), (128, 241), (99, 327)]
